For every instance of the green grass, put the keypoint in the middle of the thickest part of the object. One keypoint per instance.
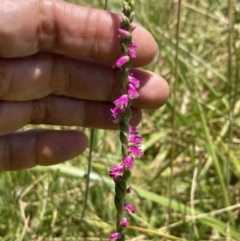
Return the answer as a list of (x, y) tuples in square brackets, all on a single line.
[(186, 186)]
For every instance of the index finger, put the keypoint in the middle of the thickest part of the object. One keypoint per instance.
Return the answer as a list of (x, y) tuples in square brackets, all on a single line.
[(29, 26)]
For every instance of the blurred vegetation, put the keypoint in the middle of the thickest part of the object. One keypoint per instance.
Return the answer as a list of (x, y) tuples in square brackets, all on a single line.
[(186, 186)]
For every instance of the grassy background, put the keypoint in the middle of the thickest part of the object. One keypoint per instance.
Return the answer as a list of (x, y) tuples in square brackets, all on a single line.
[(186, 186)]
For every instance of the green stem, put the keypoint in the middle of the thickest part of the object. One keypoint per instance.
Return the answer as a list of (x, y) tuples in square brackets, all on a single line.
[(120, 192)]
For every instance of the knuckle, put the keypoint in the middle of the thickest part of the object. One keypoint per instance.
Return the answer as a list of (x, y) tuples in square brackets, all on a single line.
[(47, 29), (115, 88), (39, 111), (60, 80), (6, 77)]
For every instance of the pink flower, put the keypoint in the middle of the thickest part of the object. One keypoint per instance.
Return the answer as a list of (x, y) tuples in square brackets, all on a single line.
[(129, 190), (133, 45), (132, 92), (134, 137), (127, 162), (133, 81), (129, 208), (117, 168), (116, 171), (135, 151), (114, 236), (121, 61), (116, 113), (137, 140), (121, 102), (132, 53), (133, 130), (124, 223), (123, 33)]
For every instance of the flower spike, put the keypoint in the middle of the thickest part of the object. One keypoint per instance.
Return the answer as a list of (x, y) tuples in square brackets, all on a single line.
[(131, 142)]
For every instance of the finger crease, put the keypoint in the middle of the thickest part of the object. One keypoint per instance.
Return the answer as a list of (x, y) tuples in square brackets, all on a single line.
[(85, 111), (47, 28), (114, 90), (53, 79), (6, 155), (59, 80), (39, 111), (5, 81), (37, 160), (66, 86)]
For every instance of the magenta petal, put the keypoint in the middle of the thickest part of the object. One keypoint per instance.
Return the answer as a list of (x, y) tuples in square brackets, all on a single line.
[(121, 61), (132, 53), (121, 102), (129, 208), (117, 168), (129, 190), (116, 113), (123, 32), (116, 171), (133, 81), (133, 130), (114, 175), (114, 236), (132, 92), (135, 151), (135, 139), (128, 162), (133, 45), (124, 223)]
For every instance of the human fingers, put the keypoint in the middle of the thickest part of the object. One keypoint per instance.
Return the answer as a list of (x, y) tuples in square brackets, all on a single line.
[(67, 29), (57, 110), (37, 76), (22, 150)]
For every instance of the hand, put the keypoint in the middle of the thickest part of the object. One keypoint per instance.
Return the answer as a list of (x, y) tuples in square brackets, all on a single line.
[(55, 68)]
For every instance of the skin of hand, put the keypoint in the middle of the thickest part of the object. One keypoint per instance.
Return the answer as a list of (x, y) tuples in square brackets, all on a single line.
[(56, 68)]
